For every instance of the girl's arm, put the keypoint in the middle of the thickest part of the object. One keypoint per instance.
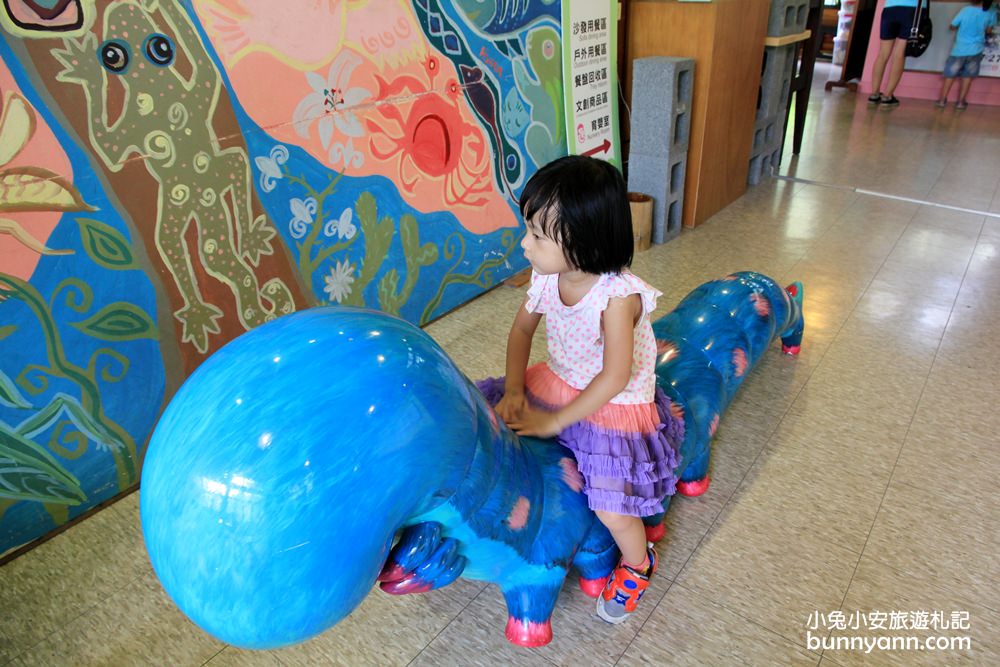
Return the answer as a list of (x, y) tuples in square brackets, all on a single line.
[(513, 404), (619, 324)]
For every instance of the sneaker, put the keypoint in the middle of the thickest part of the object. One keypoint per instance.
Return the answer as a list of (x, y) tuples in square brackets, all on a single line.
[(941, 104), (874, 98), (624, 590), (962, 105), (889, 101)]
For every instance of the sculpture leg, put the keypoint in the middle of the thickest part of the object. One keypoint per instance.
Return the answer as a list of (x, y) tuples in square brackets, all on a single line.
[(791, 342), (655, 530), (595, 560), (529, 612), (694, 480)]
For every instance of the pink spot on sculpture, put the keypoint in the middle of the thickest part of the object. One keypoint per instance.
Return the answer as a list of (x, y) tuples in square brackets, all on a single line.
[(570, 475), (518, 517)]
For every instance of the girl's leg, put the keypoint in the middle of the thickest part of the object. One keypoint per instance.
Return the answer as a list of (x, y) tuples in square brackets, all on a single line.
[(884, 50), (630, 536), (963, 89), (896, 69)]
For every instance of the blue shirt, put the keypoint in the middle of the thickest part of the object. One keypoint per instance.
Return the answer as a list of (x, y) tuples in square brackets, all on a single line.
[(900, 3), (972, 23)]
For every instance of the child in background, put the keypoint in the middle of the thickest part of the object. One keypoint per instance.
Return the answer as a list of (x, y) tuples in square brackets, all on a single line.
[(972, 24), (597, 393)]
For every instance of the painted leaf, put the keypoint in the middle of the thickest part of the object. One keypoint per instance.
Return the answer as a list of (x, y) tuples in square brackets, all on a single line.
[(7, 330), (38, 189), (17, 124), (106, 245), (27, 240), (9, 395), (117, 322), (28, 472)]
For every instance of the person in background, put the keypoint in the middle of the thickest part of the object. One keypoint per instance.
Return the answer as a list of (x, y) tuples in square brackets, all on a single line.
[(897, 21), (972, 25)]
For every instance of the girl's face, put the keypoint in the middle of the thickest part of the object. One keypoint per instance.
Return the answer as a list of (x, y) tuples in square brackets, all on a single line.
[(543, 252)]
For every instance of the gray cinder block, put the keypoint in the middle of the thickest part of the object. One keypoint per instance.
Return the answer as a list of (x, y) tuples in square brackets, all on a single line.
[(788, 17), (661, 105), (662, 179), (775, 80)]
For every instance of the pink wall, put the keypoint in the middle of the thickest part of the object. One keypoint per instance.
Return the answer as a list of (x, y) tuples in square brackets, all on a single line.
[(926, 85)]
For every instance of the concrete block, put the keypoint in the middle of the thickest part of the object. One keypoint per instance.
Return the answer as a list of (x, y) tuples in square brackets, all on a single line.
[(662, 88), (662, 179), (788, 17)]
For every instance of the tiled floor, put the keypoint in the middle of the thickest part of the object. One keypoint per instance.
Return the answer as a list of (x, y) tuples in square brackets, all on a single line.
[(858, 477)]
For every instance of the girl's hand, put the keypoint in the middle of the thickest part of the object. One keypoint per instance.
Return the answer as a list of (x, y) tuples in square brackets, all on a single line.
[(511, 406), (537, 423)]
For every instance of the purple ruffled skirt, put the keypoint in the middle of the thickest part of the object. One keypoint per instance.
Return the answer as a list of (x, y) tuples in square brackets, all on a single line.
[(627, 454)]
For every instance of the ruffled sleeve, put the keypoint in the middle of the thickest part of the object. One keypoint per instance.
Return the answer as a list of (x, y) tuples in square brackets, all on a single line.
[(535, 292), (624, 284)]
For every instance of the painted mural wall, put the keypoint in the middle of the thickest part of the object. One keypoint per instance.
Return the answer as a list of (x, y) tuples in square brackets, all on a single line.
[(175, 172)]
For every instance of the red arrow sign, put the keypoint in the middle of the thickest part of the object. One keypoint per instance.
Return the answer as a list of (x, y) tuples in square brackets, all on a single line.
[(603, 148)]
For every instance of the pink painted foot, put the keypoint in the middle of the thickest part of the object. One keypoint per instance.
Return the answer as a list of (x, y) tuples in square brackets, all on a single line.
[(655, 533), (695, 488), (791, 349), (592, 587), (528, 633)]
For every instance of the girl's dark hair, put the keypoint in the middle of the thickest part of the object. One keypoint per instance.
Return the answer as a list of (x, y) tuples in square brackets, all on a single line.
[(584, 206)]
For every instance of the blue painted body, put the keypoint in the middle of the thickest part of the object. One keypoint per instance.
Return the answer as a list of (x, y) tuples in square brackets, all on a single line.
[(334, 446)]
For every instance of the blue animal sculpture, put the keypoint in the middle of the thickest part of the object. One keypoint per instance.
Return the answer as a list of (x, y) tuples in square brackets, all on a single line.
[(334, 447)]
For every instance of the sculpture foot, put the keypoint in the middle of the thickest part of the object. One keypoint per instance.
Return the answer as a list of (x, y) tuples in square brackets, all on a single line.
[(592, 587), (655, 533), (694, 488), (529, 633), (791, 349)]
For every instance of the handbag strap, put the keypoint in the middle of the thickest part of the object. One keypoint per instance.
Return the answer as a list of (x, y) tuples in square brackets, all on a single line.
[(915, 28)]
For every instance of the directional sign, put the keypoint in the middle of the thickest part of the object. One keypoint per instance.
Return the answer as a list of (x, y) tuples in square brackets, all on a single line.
[(590, 77)]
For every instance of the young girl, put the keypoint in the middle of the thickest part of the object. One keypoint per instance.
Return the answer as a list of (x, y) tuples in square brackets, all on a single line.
[(597, 393)]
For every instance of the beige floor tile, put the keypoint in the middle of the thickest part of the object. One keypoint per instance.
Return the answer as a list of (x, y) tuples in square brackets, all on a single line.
[(385, 629), (768, 572), (828, 501), (138, 625), (951, 540), (476, 637), (234, 657), (878, 587), (686, 629), (66, 577)]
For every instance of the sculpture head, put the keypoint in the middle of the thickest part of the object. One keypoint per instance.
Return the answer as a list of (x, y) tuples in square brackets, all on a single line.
[(282, 468)]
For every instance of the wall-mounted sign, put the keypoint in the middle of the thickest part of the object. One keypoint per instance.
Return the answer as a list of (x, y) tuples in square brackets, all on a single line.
[(590, 77)]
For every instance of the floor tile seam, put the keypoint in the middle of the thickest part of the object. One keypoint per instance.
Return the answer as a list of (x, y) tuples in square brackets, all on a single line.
[(448, 624), (909, 425), (930, 583), (737, 612), (673, 582), (887, 195), (219, 652)]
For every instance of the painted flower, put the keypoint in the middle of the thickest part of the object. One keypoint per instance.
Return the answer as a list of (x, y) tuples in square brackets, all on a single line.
[(338, 283), (330, 101), (343, 226), (303, 213), (270, 167)]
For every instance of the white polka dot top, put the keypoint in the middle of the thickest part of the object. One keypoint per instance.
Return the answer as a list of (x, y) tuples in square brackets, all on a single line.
[(576, 338)]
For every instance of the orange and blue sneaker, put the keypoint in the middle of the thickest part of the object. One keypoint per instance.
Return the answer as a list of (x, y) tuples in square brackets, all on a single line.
[(624, 590)]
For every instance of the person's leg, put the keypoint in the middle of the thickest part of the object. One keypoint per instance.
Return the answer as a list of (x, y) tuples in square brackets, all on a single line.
[(630, 579), (963, 91), (629, 534), (946, 84), (884, 51), (896, 67)]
